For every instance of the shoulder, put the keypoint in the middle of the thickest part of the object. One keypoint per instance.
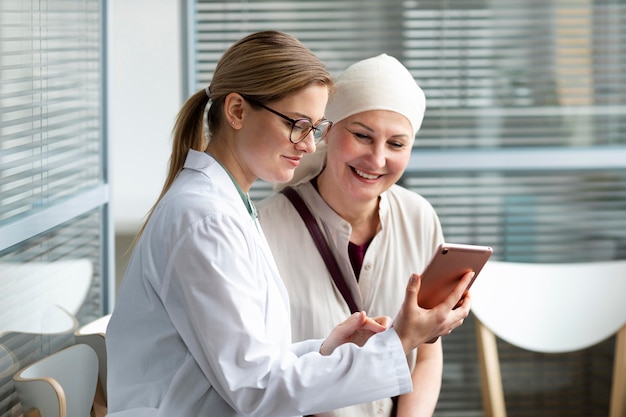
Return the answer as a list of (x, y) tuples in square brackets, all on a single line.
[(407, 210), (276, 212), (278, 209), (270, 203), (197, 204), (402, 198), (273, 210)]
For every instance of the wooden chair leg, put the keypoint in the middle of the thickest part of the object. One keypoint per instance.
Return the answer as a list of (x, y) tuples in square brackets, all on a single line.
[(490, 376), (618, 390)]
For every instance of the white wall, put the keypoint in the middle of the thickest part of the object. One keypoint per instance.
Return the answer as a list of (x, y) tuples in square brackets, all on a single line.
[(145, 93)]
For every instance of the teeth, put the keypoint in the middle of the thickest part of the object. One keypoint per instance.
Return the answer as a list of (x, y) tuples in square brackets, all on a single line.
[(364, 175)]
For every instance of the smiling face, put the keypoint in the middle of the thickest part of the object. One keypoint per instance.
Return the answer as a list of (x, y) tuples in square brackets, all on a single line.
[(263, 146), (367, 154)]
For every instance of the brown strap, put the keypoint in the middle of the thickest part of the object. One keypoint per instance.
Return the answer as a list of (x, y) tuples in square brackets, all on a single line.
[(322, 245), (329, 259)]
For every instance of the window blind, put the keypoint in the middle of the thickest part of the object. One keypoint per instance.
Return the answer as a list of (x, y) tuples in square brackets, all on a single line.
[(53, 185), (523, 145), (50, 124)]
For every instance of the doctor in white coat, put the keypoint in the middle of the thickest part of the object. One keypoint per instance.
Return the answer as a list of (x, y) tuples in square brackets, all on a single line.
[(201, 322)]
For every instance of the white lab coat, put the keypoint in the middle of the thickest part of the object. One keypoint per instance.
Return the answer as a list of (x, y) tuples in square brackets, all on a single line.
[(201, 322)]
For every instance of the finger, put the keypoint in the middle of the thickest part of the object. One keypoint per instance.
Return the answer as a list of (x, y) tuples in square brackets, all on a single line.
[(465, 302), (412, 289), (455, 325), (418, 279), (410, 297), (361, 337), (384, 321), (457, 293), (352, 323), (373, 325)]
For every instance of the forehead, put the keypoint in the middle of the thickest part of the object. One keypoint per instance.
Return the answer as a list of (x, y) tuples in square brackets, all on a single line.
[(308, 102), (387, 120)]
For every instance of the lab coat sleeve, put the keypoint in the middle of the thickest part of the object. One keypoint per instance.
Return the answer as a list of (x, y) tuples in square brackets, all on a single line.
[(306, 346), (222, 295)]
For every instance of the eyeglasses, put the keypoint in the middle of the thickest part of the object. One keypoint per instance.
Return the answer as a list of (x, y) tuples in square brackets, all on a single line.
[(300, 128)]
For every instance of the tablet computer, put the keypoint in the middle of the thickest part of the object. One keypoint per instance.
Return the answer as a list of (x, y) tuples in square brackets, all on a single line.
[(448, 265)]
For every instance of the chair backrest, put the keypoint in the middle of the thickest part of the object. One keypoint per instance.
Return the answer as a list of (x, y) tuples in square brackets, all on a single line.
[(47, 295), (93, 334), (60, 385), (551, 307)]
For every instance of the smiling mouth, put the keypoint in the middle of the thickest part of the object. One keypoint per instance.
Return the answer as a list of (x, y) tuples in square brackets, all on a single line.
[(365, 175)]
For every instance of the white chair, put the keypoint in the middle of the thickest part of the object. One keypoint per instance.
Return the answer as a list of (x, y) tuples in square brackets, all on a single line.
[(60, 385), (93, 334), (549, 308), (47, 295)]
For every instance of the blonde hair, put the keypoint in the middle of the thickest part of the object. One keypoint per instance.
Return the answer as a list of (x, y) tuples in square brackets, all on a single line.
[(266, 66)]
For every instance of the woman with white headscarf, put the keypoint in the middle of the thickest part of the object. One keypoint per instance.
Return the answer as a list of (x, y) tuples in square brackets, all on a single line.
[(379, 232)]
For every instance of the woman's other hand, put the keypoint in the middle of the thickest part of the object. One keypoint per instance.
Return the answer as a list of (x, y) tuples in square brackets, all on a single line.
[(357, 329), (416, 325)]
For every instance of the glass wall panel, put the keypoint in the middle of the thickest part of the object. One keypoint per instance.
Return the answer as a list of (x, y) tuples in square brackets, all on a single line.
[(55, 226)]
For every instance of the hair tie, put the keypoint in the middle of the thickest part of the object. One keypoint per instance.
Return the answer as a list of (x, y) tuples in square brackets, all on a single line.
[(208, 93)]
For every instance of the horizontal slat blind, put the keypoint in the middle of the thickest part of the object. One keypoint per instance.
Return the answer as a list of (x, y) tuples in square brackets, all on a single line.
[(532, 216), (514, 73), (50, 99), (507, 82), (339, 32)]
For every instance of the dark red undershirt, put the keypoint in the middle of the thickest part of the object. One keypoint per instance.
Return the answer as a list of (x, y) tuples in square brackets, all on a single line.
[(357, 253)]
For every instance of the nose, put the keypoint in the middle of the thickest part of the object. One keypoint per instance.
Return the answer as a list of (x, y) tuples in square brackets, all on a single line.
[(307, 144), (377, 156)]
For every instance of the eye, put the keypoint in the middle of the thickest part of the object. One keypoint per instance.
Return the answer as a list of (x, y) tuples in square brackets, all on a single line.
[(302, 124), (359, 135), (397, 145)]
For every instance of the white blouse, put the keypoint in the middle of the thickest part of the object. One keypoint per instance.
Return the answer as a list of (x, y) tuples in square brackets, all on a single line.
[(407, 237)]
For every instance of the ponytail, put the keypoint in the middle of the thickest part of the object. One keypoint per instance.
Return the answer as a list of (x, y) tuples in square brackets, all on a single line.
[(188, 134)]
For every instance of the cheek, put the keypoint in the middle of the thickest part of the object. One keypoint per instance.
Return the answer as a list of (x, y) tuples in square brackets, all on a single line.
[(345, 149), (266, 144), (261, 154), (398, 163)]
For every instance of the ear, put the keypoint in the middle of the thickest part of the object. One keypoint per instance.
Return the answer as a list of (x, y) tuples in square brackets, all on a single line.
[(234, 109)]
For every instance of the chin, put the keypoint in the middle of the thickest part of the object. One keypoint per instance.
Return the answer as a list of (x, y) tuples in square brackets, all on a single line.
[(280, 179)]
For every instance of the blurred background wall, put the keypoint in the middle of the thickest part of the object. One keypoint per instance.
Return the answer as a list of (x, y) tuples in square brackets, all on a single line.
[(145, 78)]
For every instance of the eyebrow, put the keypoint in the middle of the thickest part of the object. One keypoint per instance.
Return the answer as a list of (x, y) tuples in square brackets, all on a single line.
[(304, 116), (366, 127)]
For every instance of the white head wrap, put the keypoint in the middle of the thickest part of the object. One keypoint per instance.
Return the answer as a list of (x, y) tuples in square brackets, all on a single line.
[(377, 83)]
